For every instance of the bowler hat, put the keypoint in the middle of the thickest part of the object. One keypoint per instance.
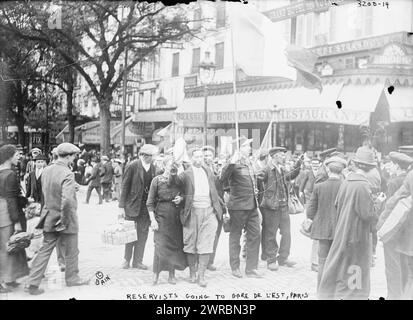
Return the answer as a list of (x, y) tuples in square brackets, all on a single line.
[(365, 155), (66, 148), (275, 150), (400, 158)]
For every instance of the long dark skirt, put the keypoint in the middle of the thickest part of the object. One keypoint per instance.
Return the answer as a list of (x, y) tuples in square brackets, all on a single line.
[(169, 254), (12, 266)]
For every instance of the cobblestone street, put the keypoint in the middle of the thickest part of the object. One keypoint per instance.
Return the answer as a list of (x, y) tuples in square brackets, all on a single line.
[(292, 283)]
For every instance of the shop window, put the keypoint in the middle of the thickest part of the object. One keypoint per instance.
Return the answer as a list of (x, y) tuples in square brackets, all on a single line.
[(175, 64), (219, 55), (196, 55)]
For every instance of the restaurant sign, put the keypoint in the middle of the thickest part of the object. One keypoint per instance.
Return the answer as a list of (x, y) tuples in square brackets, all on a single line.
[(225, 117), (300, 8)]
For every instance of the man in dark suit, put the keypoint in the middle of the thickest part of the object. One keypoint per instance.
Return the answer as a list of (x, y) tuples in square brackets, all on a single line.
[(106, 179), (34, 185), (200, 216), (94, 181), (59, 220), (134, 193), (275, 208), (243, 210)]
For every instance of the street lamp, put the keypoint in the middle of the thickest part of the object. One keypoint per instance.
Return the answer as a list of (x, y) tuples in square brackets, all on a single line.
[(206, 75)]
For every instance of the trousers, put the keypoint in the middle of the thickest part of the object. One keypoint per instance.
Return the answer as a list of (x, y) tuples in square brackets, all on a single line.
[(89, 192), (136, 249), (249, 219), (396, 269), (323, 250), (274, 220), (107, 192), (71, 257)]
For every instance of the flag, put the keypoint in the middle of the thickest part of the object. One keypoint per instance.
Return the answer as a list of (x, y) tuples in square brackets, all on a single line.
[(258, 43), (266, 143), (303, 60), (179, 150)]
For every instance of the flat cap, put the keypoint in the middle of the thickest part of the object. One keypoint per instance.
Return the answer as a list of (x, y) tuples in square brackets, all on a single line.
[(327, 152), (66, 148), (40, 157), (336, 160), (274, 150), (106, 158), (148, 149), (400, 158)]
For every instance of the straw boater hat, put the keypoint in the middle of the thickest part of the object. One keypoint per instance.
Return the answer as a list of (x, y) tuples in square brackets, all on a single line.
[(400, 158), (365, 155)]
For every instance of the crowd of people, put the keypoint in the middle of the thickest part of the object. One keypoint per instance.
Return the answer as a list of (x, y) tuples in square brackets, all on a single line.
[(188, 203)]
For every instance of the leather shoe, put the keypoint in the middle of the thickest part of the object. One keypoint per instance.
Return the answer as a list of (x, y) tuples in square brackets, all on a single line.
[(34, 290), (140, 266), (287, 263), (253, 274), (125, 265), (13, 284), (80, 282), (272, 266), (211, 267), (236, 273)]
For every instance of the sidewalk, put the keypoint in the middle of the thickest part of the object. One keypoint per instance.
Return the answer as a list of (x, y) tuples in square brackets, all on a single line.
[(102, 263)]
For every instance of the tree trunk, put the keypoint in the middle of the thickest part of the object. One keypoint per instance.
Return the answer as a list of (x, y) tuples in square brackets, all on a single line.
[(71, 118), (104, 105), (19, 116)]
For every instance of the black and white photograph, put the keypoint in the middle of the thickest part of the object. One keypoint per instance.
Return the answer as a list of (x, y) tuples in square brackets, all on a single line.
[(206, 151)]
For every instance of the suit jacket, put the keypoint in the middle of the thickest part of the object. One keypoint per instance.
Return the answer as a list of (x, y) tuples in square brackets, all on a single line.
[(60, 203), (186, 181), (107, 173), (94, 179), (34, 187), (132, 188)]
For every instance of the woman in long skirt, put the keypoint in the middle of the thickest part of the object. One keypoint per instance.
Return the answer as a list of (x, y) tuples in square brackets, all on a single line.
[(14, 265), (164, 206)]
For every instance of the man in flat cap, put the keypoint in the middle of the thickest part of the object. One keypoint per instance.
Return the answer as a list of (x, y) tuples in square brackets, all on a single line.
[(242, 205), (322, 171), (134, 193), (275, 213), (396, 263), (322, 211), (58, 220)]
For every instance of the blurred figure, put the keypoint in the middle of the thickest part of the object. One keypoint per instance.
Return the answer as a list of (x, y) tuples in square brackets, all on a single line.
[(106, 178), (94, 181), (117, 177), (34, 186)]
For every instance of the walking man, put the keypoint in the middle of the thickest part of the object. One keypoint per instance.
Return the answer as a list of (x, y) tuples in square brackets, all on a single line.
[(134, 193), (275, 208), (94, 181), (200, 216), (107, 176), (243, 209), (58, 220)]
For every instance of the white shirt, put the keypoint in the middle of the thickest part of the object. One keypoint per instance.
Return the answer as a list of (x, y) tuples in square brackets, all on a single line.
[(146, 166), (38, 173), (201, 188)]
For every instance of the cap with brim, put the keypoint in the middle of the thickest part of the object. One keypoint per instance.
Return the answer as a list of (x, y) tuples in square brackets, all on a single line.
[(40, 157), (336, 161), (327, 152), (66, 148), (36, 150), (365, 155), (400, 158), (275, 150), (148, 149)]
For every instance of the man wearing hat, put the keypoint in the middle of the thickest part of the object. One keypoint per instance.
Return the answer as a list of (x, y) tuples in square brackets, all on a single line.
[(94, 181), (34, 184), (322, 211), (403, 240), (346, 273), (396, 264), (58, 220), (275, 213), (134, 193), (243, 209), (106, 178), (322, 171)]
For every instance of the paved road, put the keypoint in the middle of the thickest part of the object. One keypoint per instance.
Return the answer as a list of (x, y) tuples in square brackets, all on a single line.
[(286, 283)]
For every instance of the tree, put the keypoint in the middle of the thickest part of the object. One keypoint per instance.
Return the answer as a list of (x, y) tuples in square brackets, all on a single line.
[(99, 34)]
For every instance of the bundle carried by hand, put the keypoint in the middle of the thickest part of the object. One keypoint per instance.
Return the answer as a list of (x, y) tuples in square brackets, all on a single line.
[(18, 241)]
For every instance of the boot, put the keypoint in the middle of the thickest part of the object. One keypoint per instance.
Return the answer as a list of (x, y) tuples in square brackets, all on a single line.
[(191, 258), (203, 263), (172, 279)]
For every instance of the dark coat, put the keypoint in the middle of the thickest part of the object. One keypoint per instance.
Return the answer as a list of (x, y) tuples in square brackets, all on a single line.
[(186, 181), (34, 187), (94, 180), (10, 211), (60, 203), (321, 209), (107, 173), (321, 174), (351, 249), (307, 184), (403, 239), (269, 177), (240, 182), (132, 188)]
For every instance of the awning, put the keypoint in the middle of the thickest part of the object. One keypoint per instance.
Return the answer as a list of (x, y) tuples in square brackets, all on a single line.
[(154, 116), (400, 104)]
